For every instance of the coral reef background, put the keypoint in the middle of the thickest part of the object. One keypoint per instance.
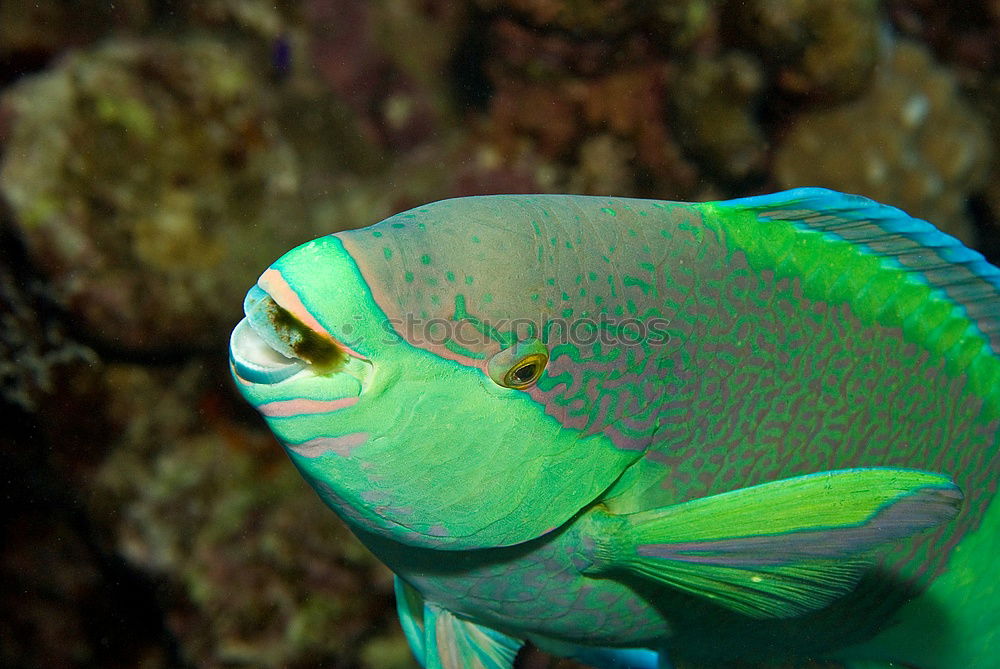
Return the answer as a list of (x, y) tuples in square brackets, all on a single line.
[(155, 156)]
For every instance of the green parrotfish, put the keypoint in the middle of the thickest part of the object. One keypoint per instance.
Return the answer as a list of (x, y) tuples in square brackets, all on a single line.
[(637, 432)]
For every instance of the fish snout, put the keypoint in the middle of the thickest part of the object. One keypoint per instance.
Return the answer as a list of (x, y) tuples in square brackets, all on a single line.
[(256, 361), (273, 344)]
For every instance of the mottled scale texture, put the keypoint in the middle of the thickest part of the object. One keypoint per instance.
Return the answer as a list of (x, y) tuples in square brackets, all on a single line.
[(785, 352)]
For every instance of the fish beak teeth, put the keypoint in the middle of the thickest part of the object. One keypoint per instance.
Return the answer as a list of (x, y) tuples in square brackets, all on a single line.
[(259, 309), (282, 330), (254, 360)]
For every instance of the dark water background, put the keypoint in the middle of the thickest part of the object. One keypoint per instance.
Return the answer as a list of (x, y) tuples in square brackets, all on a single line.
[(155, 156)]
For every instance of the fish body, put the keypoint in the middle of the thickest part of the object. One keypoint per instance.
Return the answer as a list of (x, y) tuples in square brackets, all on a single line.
[(627, 430)]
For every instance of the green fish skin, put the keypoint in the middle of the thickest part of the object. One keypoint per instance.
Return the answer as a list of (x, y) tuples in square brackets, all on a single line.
[(634, 432)]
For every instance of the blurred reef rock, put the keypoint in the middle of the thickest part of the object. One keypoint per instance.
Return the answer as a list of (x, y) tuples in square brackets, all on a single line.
[(909, 140), (133, 170), (819, 50), (156, 156), (253, 572)]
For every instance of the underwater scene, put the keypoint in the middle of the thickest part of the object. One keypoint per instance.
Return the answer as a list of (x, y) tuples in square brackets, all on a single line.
[(577, 423)]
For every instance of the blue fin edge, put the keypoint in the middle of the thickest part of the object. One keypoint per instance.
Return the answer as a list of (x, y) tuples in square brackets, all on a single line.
[(941, 261)]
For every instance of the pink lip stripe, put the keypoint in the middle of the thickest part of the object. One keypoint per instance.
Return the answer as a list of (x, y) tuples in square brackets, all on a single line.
[(236, 375), (272, 283), (349, 350), (303, 407), (342, 445)]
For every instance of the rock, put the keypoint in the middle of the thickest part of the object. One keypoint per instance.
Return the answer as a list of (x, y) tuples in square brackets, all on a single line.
[(910, 141), (149, 181)]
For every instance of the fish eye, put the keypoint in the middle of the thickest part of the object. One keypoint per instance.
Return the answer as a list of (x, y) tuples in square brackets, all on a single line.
[(519, 366), (525, 372)]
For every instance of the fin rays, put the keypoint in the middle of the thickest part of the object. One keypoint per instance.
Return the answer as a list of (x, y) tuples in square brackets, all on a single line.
[(778, 549), (942, 261)]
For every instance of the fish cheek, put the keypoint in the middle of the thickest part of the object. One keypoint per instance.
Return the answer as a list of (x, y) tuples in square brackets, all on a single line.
[(450, 464)]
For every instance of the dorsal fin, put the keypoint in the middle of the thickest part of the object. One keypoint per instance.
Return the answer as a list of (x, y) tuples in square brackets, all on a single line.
[(940, 260)]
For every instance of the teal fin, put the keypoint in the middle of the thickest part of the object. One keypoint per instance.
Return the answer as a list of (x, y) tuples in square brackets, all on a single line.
[(778, 549), (937, 259), (605, 658), (410, 609), (441, 640)]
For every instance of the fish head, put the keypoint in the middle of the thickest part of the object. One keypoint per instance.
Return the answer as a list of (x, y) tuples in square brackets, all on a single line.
[(405, 434)]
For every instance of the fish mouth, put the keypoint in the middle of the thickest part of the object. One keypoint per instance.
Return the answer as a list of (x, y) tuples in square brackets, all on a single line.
[(254, 361), (271, 345)]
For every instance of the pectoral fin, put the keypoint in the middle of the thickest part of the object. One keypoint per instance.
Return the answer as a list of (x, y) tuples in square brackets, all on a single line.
[(441, 640), (778, 549)]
